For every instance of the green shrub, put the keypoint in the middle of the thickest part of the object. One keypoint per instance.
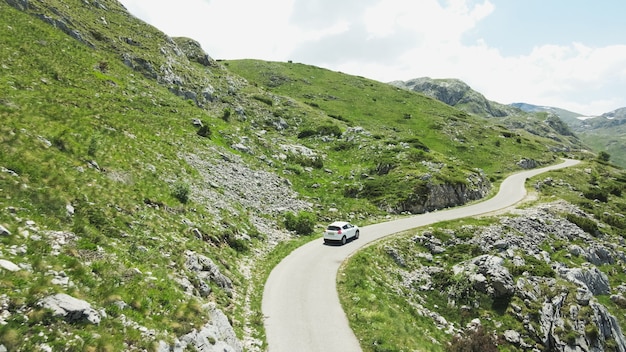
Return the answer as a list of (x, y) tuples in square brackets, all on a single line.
[(586, 224), (604, 156), (329, 130), (306, 133), (181, 191), (93, 147), (315, 162), (303, 223), (535, 267), (263, 99), (351, 190), (596, 194), (226, 114), (204, 131)]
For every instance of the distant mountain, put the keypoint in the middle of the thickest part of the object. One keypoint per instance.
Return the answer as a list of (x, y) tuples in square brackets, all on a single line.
[(571, 118), (456, 93), (606, 132)]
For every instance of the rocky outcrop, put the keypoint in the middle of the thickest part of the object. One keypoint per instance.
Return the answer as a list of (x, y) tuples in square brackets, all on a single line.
[(204, 270), (456, 93), (446, 195), (488, 275), (216, 336), (71, 309), (193, 51), (556, 304)]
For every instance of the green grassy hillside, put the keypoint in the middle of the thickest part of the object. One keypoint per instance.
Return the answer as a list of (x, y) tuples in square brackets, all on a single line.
[(396, 115), (126, 154)]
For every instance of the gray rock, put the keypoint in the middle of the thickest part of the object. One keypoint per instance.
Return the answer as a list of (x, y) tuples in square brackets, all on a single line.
[(527, 164), (395, 255), (7, 265), (599, 255), (205, 269), (593, 279), (70, 308), (608, 327), (512, 336), (488, 275), (4, 231), (216, 336), (619, 299), (583, 296)]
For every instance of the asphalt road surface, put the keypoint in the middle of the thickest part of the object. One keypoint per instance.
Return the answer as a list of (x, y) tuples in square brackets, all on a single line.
[(300, 303)]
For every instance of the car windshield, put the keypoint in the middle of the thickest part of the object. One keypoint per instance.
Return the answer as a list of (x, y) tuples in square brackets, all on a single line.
[(333, 228)]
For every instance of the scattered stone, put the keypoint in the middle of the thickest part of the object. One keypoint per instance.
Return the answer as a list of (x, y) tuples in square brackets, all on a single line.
[(4, 231), (7, 265), (512, 336)]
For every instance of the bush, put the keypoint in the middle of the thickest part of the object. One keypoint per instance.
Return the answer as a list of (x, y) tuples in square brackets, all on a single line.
[(266, 100), (604, 156), (329, 130), (586, 224), (204, 131), (226, 114), (597, 194), (477, 340), (181, 192), (305, 161), (302, 224), (306, 133)]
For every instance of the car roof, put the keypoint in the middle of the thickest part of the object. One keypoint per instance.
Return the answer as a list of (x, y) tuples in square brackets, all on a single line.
[(338, 223)]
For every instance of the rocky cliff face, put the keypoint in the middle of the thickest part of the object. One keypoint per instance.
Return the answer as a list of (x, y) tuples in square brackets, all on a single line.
[(441, 196)]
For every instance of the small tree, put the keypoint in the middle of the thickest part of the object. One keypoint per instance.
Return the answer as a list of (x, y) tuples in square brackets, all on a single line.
[(604, 156), (181, 192), (204, 131), (302, 224)]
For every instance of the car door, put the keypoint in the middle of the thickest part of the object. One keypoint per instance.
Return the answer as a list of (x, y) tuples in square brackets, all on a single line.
[(349, 229)]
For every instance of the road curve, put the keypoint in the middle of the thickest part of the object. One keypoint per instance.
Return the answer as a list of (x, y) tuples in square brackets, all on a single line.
[(300, 303)]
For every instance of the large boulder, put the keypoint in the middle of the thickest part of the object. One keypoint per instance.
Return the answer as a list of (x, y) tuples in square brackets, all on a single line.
[(204, 269), (215, 336), (488, 275), (71, 309), (591, 278)]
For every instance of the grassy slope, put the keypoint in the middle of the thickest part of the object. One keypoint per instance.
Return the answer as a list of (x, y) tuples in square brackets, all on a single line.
[(67, 107), (397, 115), (60, 113)]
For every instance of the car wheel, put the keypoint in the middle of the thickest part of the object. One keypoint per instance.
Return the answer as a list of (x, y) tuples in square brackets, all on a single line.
[(356, 235), (343, 240)]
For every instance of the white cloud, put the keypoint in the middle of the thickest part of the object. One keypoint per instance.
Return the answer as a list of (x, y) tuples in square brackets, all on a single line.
[(397, 39)]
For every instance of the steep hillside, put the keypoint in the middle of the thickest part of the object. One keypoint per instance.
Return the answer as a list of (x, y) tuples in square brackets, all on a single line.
[(147, 189)]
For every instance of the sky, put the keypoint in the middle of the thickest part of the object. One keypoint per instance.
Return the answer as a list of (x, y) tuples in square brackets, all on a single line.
[(569, 54)]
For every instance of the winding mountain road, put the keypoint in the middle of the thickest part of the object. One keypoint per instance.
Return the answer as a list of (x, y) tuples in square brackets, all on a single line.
[(300, 303)]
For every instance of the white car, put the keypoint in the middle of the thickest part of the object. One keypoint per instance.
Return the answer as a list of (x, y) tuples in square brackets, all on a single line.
[(341, 231)]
